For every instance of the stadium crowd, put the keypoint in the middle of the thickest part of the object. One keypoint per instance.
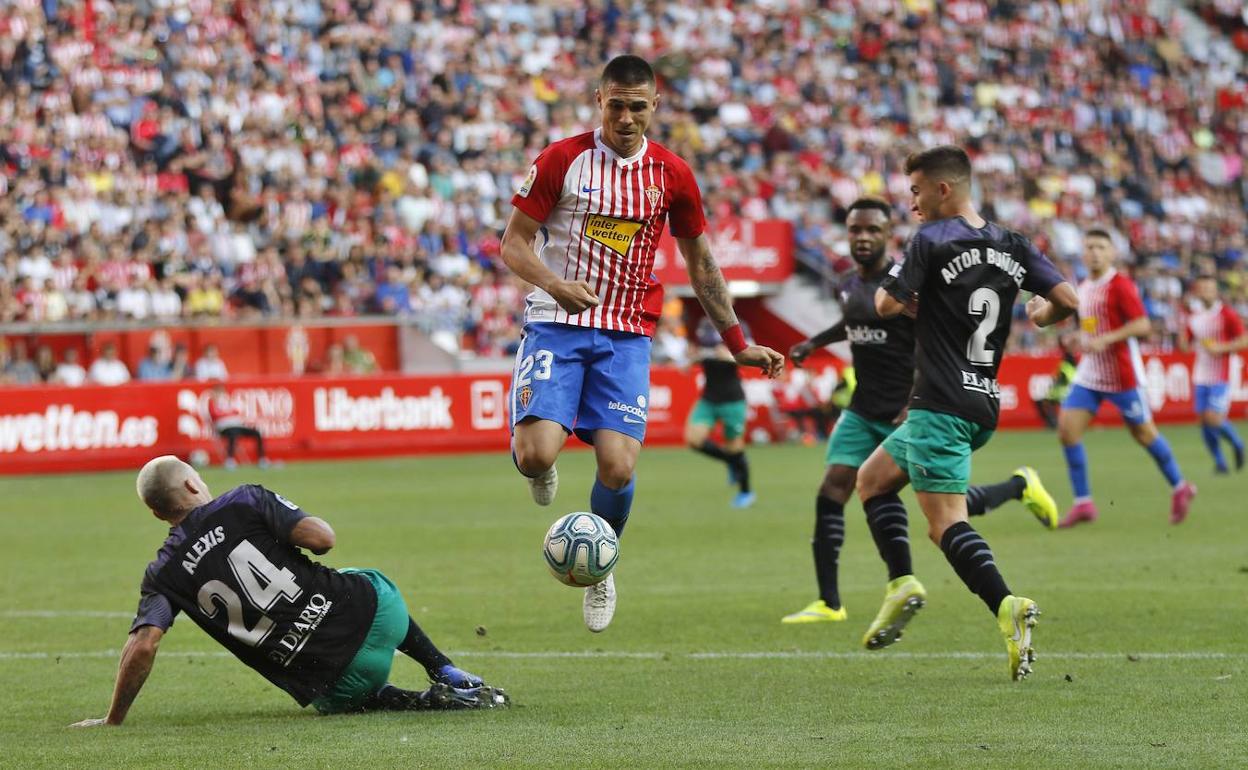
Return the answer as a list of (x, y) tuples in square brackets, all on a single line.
[(173, 159)]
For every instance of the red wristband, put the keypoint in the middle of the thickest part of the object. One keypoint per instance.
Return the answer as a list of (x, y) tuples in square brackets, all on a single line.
[(734, 338)]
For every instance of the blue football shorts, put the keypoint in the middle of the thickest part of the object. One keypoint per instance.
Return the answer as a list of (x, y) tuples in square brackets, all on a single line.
[(1130, 403), (1213, 398), (584, 379)]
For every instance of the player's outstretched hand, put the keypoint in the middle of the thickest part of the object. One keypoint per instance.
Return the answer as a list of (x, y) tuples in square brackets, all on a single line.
[(764, 358), (800, 352), (574, 296), (99, 722)]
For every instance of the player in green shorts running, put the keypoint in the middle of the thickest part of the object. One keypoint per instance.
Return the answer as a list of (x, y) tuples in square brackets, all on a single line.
[(960, 278), (722, 401), (883, 360), (233, 564)]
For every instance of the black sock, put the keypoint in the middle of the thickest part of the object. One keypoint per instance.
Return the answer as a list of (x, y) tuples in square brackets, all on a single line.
[(826, 544), (972, 560), (391, 698), (418, 646), (740, 470), (981, 499), (711, 449), (890, 529)]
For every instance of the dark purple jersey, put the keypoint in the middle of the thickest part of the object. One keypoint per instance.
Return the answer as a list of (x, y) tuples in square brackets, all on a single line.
[(966, 280), (230, 566)]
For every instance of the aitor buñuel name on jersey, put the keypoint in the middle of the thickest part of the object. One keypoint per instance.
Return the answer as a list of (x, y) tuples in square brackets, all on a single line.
[(231, 568), (882, 349), (966, 279)]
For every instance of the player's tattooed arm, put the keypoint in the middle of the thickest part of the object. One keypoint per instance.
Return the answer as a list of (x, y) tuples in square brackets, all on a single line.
[(707, 281), (802, 350), (712, 291), (136, 663)]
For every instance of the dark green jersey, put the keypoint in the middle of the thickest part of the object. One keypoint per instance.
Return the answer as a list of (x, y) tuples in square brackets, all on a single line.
[(883, 351), (965, 280)]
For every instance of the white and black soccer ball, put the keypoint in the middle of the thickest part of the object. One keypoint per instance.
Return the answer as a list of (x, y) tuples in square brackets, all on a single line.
[(199, 458), (581, 549)]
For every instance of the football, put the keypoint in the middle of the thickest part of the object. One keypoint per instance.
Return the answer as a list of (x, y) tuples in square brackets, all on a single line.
[(581, 549)]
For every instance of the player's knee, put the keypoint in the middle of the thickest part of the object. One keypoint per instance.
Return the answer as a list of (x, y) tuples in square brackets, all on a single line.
[(615, 473), (1144, 433), (868, 486), (533, 458), (837, 485), (1068, 434)]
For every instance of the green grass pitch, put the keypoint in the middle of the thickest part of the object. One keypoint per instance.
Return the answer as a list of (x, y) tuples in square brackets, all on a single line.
[(1142, 657)]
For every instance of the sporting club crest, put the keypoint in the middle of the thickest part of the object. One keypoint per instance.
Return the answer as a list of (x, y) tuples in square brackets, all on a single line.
[(524, 395), (653, 193), (523, 192)]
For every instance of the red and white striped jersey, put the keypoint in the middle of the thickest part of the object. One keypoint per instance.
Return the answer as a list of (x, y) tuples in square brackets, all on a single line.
[(1105, 304), (601, 217), (1219, 324)]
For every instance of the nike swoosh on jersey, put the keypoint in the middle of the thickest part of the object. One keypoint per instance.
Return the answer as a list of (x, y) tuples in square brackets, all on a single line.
[(590, 189), (633, 420)]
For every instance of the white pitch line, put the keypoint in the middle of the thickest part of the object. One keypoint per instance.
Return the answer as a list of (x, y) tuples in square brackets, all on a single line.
[(744, 655), (64, 614)]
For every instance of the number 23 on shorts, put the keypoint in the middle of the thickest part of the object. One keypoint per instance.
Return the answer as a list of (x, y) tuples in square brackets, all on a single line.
[(543, 360)]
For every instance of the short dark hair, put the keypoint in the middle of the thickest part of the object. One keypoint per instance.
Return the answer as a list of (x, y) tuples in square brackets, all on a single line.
[(879, 204), (1098, 232), (947, 162), (627, 70)]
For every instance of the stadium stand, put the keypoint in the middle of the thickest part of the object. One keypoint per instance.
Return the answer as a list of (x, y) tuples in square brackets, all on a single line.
[(203, 159)]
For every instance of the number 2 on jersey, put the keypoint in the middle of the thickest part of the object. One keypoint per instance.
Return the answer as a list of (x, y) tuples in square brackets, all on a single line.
[(984, 302), (263, 583)]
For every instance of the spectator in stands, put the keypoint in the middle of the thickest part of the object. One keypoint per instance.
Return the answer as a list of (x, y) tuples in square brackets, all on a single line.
[(155, 366), (20, 370), (166, 302), (392, 296), (358, 360), (180, 363), (341, 140), (108, 369), (69, 371), (251, 299), (45, 362), (228, 422), (335, 362), (210, 366)]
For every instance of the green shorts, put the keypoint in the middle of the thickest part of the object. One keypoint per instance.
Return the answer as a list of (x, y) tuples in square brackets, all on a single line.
[(934, 449), (854, 439), (370, 668), (730, 413)]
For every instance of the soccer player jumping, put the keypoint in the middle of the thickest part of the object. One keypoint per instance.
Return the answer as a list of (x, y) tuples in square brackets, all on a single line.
[(883, 356), (1111, 316), (584, 231), (1217, 331), (960, 277)]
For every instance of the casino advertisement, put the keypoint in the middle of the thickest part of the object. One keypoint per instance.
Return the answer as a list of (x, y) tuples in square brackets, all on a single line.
[(51, 429)]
